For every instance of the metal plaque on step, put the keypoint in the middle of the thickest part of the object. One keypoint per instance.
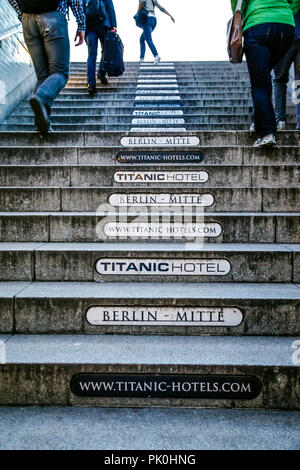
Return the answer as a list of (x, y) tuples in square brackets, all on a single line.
[(152, 105), (164, 316), (212, 386), (158, 98), (164, 157), (163, 267), (162, 231), (160, 141), (157, 92), (181, 177), (153, 121), (158, 129), (161, 199), (158, 112)]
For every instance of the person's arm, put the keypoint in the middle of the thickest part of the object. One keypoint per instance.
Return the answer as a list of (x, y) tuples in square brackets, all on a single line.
[(77, 9), (163, 10), (141, 4), (111, 13), (245, 5), (15, 6)]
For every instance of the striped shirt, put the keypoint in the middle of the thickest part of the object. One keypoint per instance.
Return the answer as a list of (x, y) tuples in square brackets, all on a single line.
[(75, 5)]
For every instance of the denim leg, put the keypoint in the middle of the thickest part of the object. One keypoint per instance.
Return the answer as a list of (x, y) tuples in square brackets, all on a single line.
[(143, 46), (148, 29), (92, 42), (265, 46), (35, 45), (53, 29), (280, 81), (297, 79), (259, 65), (101, 31), (280, 90)]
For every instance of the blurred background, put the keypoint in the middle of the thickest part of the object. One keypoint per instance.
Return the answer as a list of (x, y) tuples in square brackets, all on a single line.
[(198, 34)]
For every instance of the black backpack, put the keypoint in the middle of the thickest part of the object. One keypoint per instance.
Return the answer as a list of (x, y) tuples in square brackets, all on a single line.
[(38, 6), (94, 12), (112, 57)]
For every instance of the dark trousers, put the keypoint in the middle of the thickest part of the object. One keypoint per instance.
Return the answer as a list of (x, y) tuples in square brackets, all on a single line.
[(281, 80), (93, 35), (46, 36), (147, 37), (265, 45)]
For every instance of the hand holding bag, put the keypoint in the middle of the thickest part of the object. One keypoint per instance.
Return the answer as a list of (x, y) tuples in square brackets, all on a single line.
[(235, 35)]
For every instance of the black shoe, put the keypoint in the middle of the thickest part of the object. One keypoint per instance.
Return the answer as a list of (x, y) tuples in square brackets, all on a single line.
[(103, 79), (92, 90), (41, 115), (50, 128)]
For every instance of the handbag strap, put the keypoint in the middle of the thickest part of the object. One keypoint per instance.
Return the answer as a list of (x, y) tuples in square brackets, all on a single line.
[(239, 6)]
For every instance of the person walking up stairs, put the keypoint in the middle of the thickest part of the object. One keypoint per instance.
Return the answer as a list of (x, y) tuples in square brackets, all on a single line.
[(149, 25), (100, 18), (45, 32)]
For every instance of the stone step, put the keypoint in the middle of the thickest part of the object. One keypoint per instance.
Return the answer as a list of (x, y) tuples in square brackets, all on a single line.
[(180, 176), (47, 428), (189, 111), (145, 141), (71, 154), (25, 110), (93, 119), (125, 95), (149, 308), (147, 89), (233, 227), (142, 129), (196, 119), (157, 74), (179, 68), (269, 379), (171, 80), (154, 262), (119, 104), (81, 199)]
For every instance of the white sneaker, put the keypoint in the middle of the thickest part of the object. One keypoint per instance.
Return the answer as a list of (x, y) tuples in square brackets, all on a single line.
[(142, 60), (252, 127), (281, 126), (156, 60), (266, 141)]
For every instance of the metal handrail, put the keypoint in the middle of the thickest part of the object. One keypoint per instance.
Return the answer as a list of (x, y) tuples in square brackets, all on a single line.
[(11, 32)]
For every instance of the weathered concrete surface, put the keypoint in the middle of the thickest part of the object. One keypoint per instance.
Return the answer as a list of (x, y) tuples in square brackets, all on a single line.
[(61, 307), (67, 428), (8, 292), (267, 264), (42, 373)]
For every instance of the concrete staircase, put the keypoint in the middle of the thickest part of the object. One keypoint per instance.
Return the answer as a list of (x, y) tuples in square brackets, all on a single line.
[(149, 255)]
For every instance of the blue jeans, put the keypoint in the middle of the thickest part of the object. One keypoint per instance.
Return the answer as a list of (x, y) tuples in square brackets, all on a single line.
[(147, 37), (265, 45), (46, 36), (93, 35), (282, 78)]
